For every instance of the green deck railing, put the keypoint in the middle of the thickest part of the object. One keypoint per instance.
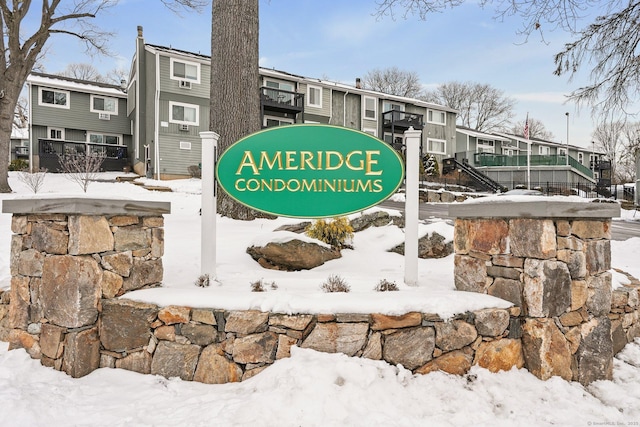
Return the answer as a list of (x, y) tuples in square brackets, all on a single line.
[(488, 159)]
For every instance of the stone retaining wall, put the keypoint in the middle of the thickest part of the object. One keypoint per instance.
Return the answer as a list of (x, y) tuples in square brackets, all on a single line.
[(69, 268)]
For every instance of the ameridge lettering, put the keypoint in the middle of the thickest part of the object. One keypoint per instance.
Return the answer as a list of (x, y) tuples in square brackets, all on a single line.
[(356, 160)]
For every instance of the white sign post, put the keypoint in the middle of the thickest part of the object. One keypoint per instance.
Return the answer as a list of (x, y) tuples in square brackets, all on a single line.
[(208, 212), (412, 153)]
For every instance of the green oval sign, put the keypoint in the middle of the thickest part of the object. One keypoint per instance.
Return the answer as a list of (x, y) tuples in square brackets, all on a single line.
[(310, 171)]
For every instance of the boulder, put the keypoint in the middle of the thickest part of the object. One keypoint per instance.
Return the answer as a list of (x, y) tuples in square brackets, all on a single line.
[(411, 348), (429, 246), (374, 219), (293, 255)]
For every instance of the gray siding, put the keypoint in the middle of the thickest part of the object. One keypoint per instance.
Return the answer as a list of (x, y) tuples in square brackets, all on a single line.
[(167, 84), (175, 161)]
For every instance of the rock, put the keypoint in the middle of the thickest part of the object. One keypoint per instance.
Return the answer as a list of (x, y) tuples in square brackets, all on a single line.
[(123, 220), (547, 287), (598, 254), (455, 362), (507, 260), (499, 355), (347, 338), (491, 322), (374, 219), (153, 221), (20, 300), (172, 314), (618, 337), (297, 322), (385, 321), (507, 289), (49, 240), (454, 335), (157, 242), (599, 294), (532, 238), (284, 346), (199, 334), (579, 294), (131, 238), (411, 348), (373, 349), (546, 350), (203, 316), (470, 274), (51, 339), (81, 353), (165, 332), (126, 324), (19, 224), (71, 290), (111, 284), (140, 362), (175, 360), (591, 229), (247, 322), (143, 273), (293, 255), (214, 368), (504, 272), (488, 236), (294, 228), (120, 263), (256, 348), (429, 246), (89, 234), (30, 262), (446, 197), (22, 339), (595, 353), (572, 318)]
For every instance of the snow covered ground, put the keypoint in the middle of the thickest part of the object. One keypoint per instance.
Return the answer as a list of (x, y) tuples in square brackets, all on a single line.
[(310, 388)]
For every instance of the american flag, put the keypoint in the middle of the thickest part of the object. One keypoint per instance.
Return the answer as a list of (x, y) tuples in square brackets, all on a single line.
[(526, 128)]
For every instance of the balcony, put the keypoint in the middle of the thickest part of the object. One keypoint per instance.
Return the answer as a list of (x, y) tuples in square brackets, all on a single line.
[(22, 152), (282, 101), (493, 160), (117, 156), (399, 121)]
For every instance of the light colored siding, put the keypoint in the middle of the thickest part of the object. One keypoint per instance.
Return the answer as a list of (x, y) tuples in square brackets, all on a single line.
[(325, 110), (167, 84)]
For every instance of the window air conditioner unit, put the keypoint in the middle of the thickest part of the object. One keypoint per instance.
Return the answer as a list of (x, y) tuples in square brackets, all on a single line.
[(184, 127), (104, 116), (185, 84)]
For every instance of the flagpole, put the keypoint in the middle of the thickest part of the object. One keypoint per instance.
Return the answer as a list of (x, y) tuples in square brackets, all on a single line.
[(526, 136)]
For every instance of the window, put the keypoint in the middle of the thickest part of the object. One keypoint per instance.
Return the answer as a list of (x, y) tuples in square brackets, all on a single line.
[(54, 98), (562, 151), (508, 151), (314, 96), (438, 146), (270, 121), (485, 146), (372, 132), (370, 106), (56, 133), (388, 106), (182, 70), (184, 114), (101, 104), (581, 158), (438, 117), (543, 150), (102, 138)]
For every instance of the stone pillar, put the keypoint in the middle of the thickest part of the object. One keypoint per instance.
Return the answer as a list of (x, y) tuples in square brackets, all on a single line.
[(552, 259), (67, 256)]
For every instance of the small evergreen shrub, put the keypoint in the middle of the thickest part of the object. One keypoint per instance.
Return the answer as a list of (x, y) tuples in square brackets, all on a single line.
[(203, 281), (18, 165), (335, 283), (385, 286), (337, 232)]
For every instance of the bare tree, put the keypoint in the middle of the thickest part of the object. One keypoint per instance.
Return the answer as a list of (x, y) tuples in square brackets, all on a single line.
[(23, 43), (81, 168), (608, 45), (235, 89), (82, 71), (21, 113), (393, 81), (33, 180), (609, 138), (480, 106), (537, 129), (117, 75)]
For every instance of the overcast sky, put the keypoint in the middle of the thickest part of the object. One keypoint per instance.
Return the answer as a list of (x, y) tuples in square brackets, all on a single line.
[(342, 40)]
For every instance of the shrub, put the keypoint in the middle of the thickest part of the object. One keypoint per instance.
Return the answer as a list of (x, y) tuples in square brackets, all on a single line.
[(385, 286), (260, 286), (335, 283), (81, 168), (203, 281), (35, 180), (337, 232), (18, 165)]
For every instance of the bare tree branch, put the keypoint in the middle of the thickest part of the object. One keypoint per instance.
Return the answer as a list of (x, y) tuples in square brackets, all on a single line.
[(537, 129), (393, 81)]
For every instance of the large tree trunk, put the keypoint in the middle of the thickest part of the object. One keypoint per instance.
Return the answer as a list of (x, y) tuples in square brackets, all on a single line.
[(8, 101), (235, 99)]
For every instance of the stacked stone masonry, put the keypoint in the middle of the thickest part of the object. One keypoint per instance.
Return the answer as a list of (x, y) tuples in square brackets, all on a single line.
[(70, 272)]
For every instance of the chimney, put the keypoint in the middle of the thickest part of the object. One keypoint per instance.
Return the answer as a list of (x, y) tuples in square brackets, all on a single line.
[(358, 83), (139, 30), (123, 84)]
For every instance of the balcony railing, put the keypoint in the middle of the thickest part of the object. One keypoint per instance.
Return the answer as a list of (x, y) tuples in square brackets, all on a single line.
[(116, 156), (488, 159), (402, 120), (22, 151), (281, 100)]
